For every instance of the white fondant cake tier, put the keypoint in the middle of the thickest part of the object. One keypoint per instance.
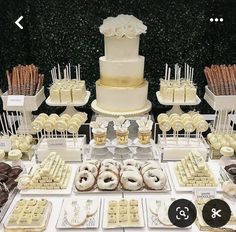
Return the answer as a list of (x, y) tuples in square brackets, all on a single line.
[(122, 73), (121, 48), (121, 99)]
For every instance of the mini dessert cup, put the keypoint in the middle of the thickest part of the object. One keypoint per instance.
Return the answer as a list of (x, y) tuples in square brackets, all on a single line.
[(100, 138), (144, 137), (122, 137)]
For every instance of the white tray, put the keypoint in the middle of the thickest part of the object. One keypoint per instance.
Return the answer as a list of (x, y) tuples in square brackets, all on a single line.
[(105, 214), (31, 103), (66, 191), (78, 103), (214, 167), (152, 219), (163, 102), (92, 222), (95, 190), (223, 102), (143, 111)]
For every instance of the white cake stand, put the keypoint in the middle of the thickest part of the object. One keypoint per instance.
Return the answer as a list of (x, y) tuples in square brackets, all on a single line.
[(31, 103), (224, 103), (70, 107), (101, 111), (176, 105)]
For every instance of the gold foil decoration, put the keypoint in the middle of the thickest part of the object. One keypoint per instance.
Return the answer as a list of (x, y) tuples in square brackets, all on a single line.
[(100, 138), (144, 137), (122, 137), (121, 81)]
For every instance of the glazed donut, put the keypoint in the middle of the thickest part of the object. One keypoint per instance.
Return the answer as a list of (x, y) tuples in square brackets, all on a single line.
[(84, 181), (111, 161), (109, 167), (89, 167), (107, 180), (154, 179), (132, 162), (149, 166), (131, 180)]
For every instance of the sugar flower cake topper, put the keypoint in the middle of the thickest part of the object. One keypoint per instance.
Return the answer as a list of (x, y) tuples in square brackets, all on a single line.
[(122, 25)]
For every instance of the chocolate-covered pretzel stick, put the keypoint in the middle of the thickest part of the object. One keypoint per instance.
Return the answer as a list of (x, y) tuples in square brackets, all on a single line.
[(221, 79), (9, 81), (24, 80)]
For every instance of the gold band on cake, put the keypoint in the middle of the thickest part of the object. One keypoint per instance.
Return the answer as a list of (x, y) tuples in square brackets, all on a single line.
[(121, 81)]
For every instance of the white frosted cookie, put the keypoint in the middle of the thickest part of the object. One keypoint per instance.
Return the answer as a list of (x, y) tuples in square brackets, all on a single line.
[(163, 213), (91, 207), (75, 216)]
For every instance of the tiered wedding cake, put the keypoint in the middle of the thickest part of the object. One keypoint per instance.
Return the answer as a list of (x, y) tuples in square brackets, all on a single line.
[(121, 87)]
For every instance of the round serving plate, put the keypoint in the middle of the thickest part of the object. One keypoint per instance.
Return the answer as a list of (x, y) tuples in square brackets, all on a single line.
[(99, 110), (94, 145), (114, 143), (138, 144)]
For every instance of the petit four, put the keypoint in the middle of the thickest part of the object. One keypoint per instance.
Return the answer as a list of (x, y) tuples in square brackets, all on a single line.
[(29, 215), (194, 171), (52, 173)]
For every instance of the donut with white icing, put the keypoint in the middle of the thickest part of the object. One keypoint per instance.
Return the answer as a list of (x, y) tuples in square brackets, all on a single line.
[(84, 181), (109, 167), (132, 162), (95, 162), (111, 161), (129, 168), (107, 180), (89, 167), (154, 179), (131, 180), (150, 166)]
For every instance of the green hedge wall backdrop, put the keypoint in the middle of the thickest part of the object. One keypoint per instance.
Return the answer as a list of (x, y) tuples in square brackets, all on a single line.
[(65, 31)]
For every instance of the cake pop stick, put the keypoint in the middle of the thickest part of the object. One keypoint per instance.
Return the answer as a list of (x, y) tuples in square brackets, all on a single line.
[(13, 122), (169, 70), (9, 123), (79, 72), (76, 73), (59, 71), (5, 122), (166, 71), (69, 72), (2, 125), (185, 75), (64, 71), (225, 122), (52, 75), (176, 67)]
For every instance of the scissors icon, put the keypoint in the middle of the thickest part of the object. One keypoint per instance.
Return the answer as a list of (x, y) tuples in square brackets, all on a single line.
[(215, 213)]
